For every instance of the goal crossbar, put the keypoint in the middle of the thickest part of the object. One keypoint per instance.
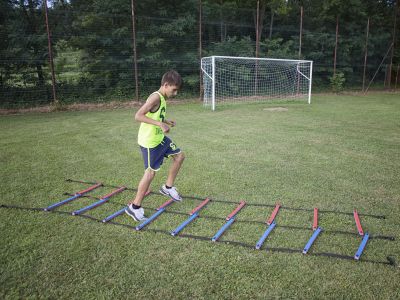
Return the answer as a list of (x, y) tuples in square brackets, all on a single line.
[(260, 58)]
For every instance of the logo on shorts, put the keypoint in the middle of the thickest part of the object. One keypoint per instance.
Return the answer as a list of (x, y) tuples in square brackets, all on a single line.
[(173, 146)]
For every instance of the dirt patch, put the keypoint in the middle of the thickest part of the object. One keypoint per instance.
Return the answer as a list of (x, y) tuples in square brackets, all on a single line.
[(85, 107), (72, 107), (276, 109)]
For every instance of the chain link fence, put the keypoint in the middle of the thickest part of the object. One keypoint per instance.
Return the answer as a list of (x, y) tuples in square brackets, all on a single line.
[(93, 47)]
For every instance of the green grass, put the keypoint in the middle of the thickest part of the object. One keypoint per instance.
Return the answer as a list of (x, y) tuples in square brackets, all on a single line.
[(340, 153)]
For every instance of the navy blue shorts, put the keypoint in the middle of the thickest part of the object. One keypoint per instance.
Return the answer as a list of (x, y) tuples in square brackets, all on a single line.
[(153, 157)]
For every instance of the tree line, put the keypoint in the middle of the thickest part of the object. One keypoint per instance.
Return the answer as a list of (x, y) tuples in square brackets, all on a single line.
[(93, 46)]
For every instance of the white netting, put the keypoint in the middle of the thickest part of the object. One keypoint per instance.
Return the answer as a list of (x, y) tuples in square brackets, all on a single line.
[(239, 79)]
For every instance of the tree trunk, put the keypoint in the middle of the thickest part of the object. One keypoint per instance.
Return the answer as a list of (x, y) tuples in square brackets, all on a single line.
[(271, 24), (261, 17), (39, 71)]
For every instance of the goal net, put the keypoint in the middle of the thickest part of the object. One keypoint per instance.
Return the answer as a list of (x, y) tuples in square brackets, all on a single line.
[(245, 79)]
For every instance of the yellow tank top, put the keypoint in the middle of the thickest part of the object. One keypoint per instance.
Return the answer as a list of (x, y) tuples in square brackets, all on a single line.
[(149, 135)]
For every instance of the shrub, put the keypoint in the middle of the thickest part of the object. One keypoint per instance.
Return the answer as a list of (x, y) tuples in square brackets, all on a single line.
[(337, 82)]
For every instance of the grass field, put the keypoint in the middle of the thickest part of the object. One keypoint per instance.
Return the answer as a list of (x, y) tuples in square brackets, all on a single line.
[(339, 153)]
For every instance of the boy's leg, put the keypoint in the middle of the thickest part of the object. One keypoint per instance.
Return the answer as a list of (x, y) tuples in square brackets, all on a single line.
[(174, 169), (168, 188), (143, 187), (134, 208), (152, 158)]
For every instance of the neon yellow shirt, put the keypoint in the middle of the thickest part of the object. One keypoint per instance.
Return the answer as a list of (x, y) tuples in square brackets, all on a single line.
[(149, 135)]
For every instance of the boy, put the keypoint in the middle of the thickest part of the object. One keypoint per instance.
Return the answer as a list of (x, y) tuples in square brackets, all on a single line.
[(155, 145)]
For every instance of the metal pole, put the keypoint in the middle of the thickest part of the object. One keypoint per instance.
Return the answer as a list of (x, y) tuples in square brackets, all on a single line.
[(300, 42), (301, 30), (336, 43), (53, 76), (257, 47), (200, 48), (257, 28), (310, 83), (394, 43), (365, 57), (213, 83), (134, 50), (221, 22)]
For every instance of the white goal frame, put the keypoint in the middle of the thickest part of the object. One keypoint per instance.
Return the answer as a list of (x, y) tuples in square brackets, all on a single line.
[(264, 79)]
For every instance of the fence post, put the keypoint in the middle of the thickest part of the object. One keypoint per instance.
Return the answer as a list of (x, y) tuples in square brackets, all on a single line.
[(365, 57), (336, 44), (134, 51), (200, 49), (394, 43), (257, 46), (53, 76), (301, 30)]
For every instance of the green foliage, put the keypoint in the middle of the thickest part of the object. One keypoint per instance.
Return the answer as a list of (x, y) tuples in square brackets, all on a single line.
[(337, 82), (67, 63), (278, 48), (233, 46)]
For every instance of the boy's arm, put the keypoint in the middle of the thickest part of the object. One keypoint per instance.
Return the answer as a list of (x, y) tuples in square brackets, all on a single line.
[(152, 102)]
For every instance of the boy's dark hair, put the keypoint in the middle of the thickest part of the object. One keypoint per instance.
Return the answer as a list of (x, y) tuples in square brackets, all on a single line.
[(172, 77)]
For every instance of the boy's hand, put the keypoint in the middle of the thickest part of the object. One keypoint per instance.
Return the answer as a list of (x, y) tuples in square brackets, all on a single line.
[(171, 123), (164, 127)]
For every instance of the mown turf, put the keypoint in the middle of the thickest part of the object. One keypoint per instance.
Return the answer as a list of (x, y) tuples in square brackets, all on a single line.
[(340, 153)]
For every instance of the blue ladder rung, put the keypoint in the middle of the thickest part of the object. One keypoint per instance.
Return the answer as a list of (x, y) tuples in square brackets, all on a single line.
[(82, 210), (361, 247), (265, 235), (184, 224), (223, 229), (62, 202), (150, 219), (114, 215), (312, 240)]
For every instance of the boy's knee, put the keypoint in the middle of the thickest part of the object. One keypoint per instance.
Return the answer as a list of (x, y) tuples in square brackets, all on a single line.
[(150, 173), (181, 157)]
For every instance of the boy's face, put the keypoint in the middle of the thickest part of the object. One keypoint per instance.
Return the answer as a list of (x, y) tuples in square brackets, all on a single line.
[(170, 90)]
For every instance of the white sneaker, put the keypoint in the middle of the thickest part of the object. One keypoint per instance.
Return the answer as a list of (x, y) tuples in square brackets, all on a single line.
[(172, 192), (136, 214)]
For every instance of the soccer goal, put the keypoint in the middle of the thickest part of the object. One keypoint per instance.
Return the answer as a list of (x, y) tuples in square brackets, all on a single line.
[(229, 79)]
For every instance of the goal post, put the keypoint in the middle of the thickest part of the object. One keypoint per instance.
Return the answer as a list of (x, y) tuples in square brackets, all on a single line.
[(228, 79)]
